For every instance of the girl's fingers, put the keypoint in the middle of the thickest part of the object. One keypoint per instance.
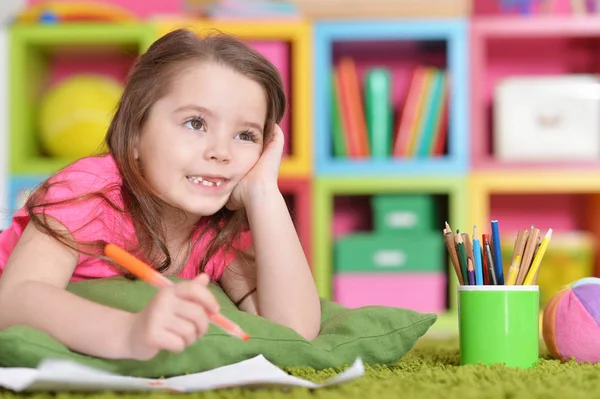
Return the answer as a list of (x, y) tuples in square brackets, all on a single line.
[(202, 278), (169, 340), (198, 294), (185, 329), (195, 314)]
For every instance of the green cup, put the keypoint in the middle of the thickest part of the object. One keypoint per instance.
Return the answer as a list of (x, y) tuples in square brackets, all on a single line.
[(499, 324)]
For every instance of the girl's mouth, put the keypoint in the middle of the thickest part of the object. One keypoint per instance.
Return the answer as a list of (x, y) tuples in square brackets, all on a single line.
[(208, 181)]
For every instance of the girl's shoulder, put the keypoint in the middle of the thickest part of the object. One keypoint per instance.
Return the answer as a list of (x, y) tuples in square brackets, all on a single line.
[(89, 174)]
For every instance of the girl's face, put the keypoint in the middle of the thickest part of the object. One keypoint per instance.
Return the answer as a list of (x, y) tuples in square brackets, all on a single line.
[(203, 137)]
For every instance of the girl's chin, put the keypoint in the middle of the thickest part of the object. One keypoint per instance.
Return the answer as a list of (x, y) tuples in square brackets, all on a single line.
[(202, 210)]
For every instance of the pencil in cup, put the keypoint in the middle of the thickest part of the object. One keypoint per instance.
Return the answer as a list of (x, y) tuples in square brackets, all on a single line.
[(487, 252), (462, 256), (151, 276), (536, 263), (451, 247)]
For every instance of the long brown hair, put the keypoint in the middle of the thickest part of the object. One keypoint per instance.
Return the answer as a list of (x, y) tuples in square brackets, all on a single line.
[(150, 79)]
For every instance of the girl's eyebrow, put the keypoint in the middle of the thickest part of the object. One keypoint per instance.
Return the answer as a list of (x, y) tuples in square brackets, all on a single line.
[(192, 107), (253, 125)]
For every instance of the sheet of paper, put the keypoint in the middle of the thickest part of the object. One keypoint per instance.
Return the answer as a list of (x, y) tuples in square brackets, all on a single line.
[(64, 375)]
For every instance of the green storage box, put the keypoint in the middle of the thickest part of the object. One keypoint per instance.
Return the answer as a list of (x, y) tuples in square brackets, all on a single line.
[(400, 252), (394, 213)]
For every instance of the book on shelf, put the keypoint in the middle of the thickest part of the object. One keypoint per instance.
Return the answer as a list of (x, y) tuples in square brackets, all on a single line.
[(362, 117)]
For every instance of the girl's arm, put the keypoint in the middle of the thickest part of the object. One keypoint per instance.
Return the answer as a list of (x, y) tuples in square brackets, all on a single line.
[(286, 292), (32, 293)]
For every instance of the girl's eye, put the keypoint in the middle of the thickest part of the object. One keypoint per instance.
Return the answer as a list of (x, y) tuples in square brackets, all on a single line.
[(195, 124), (247, 136)]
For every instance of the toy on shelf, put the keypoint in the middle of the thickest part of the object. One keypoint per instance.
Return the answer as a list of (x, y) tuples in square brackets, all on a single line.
[(75, 11), (75, 115)]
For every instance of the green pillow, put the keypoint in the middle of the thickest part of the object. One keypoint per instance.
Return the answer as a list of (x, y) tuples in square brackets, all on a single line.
[(376, 334)]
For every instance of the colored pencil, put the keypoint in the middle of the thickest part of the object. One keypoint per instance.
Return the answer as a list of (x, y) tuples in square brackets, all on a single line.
[(513, 271), (535, 265), (477, 258), (462, 255), (497, 253), (530, 247), (471, 272), (486, 274), (451, 247), (151, 276), (515, 265), (490, 260)]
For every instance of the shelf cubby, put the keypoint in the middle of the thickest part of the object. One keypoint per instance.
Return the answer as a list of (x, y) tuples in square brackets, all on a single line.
[(341, 205), (508, 46), (41, 55), (404, 44)]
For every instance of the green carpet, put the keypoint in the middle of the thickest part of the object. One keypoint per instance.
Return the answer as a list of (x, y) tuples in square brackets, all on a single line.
[(430, 370)]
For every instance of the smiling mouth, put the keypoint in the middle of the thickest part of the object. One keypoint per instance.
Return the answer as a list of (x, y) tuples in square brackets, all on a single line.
[(208, 182)]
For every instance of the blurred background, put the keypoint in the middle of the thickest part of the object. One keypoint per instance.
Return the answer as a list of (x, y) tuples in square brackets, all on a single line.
[(402, 115)]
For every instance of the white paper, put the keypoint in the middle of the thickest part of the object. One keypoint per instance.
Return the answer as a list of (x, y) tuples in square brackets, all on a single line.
[(65, 375)]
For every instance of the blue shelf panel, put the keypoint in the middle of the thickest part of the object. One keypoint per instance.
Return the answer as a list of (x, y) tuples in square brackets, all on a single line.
[(19, 188), (453, 32), (435, 166)]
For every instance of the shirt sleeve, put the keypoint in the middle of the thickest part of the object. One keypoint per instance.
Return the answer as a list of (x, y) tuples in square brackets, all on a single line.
[(71, 201)]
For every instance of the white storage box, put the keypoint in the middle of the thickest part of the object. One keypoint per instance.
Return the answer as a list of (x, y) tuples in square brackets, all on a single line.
[(551, 118)]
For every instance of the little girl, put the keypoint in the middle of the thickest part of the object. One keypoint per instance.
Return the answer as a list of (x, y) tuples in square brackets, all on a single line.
[(189, 184)]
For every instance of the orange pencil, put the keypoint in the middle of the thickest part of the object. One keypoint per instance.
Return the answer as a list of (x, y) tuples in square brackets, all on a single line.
[(151, 276)]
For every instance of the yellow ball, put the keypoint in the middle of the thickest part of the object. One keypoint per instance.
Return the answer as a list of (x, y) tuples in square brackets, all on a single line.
[(75, 115)]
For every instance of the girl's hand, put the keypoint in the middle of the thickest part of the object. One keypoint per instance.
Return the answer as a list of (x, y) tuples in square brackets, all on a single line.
[(173, 320), (263, 175)]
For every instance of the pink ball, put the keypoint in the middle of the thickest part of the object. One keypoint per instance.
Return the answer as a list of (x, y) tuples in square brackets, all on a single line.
[(571, 322)]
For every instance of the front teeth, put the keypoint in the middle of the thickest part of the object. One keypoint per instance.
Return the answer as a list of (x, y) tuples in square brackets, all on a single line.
[(199, 180)]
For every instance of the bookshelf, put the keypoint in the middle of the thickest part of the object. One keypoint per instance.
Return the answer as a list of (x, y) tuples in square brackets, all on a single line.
[(399, 46), (560, 194), (470, 182)]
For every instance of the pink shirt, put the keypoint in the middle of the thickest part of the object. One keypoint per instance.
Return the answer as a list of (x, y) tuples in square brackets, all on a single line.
[(93, 219)]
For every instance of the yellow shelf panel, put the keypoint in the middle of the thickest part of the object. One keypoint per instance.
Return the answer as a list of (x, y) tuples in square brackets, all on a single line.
[(483, 185), (536, 182)]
